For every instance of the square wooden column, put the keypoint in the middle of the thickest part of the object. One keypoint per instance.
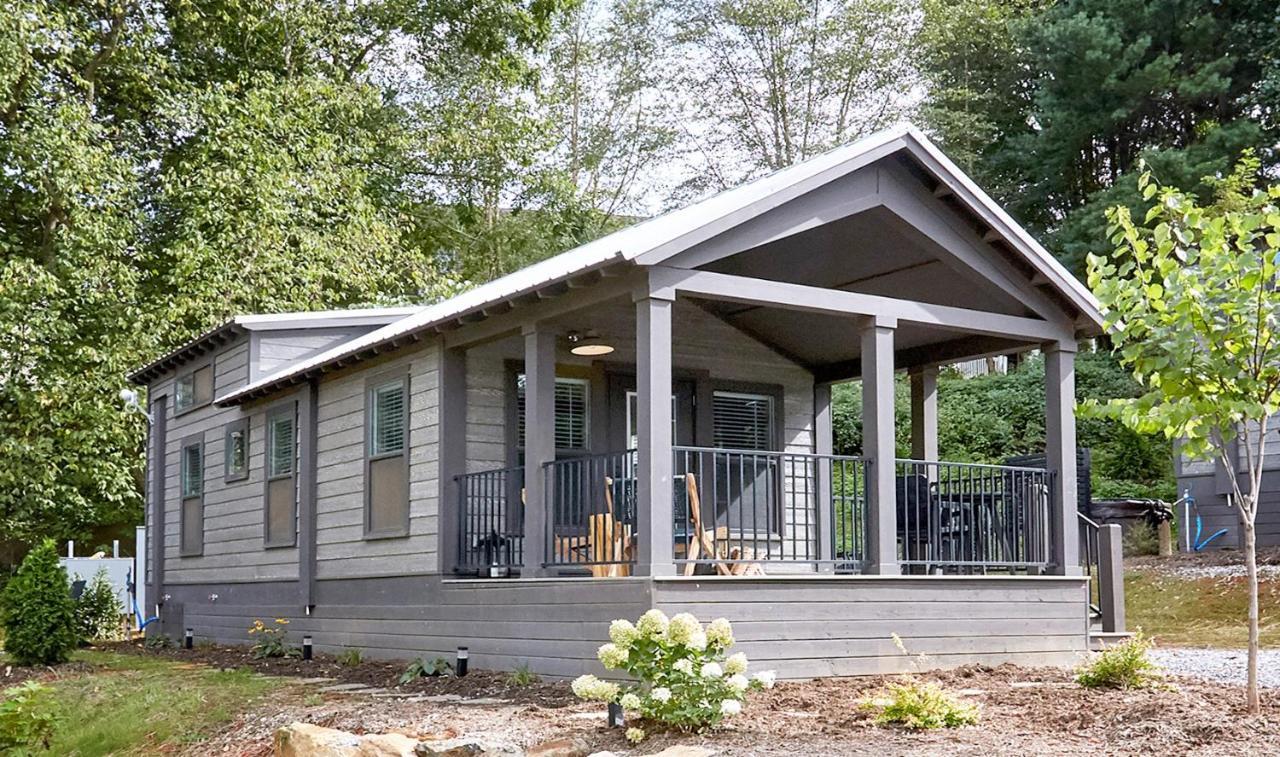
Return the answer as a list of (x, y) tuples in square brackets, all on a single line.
[(653, 407), (878, 445), (539, 442), (452, 393), (1060, 454), (924, 413), (824, 444)]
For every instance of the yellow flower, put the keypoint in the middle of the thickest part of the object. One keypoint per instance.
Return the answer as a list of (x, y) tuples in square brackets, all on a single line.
[(282, 621)]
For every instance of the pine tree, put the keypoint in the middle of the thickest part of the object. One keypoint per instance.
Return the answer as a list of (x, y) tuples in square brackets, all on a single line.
[(39, 613)]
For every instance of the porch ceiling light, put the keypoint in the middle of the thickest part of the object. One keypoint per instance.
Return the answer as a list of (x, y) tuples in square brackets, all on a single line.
[(588, 343)]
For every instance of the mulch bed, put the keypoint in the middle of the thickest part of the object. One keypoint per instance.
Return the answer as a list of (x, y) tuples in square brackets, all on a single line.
[(1213, 557), (383, 674), (12, 675)]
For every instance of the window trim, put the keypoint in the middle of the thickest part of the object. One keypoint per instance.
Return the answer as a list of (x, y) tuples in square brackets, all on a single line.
[(185, 550), (241, 425), (572, 373), (178, 410), (371, 385), (288, 407)]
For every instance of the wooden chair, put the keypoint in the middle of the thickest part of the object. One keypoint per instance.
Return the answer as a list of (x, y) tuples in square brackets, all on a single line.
[(612, 543), (713, 542)]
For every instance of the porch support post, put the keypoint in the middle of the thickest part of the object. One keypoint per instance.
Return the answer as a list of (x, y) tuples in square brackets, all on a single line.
[(653, 405), (878, 444), (823, 444), (452, 395), (1060, 453), (539, 441), (924, 413)]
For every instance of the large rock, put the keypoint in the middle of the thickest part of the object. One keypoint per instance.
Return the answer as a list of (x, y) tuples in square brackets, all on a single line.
[(306, 740), (569, 746), (466, 747)]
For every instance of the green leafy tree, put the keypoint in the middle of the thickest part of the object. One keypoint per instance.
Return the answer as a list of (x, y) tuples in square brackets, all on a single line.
[(98, 611), (39, 614), (1192, 305)]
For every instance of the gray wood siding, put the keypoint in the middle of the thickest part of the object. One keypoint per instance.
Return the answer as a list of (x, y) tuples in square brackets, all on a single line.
[(812, 627), (486, 410), (341, 549), (233, 512), (273, 350)]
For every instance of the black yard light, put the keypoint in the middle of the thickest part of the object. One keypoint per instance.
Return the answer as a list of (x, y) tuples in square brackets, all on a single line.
[(617, 719), (460, 665), (306, 647), (188, 639)]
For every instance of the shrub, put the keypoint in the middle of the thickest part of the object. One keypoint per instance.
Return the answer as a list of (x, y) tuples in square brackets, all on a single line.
[(922, 706), (687, 679), (158, 641), (39, 614), (270, 640), (1140, 539), (1121, 666), (351, 657), (522, 676), (28, 718), (420, 667), (98, 611)]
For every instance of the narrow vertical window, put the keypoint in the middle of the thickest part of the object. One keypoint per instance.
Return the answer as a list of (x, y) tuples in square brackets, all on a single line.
[(237, 451), (387, 468), (282, 487), (191, 484)]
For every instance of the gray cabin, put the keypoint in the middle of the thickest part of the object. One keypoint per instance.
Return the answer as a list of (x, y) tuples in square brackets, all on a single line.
[(1208, 483), (644, 422)]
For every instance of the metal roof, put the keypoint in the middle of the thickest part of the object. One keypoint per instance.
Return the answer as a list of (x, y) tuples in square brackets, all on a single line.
[(670, 233)]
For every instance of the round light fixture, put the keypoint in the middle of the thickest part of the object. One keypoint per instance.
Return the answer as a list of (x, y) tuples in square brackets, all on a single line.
[(588, 344)]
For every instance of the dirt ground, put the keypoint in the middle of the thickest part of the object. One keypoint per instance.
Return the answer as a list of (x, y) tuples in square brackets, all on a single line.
[(1208, 558), (1024, 711)]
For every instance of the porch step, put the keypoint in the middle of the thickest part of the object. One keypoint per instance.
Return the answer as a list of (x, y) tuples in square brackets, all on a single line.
[(1099, 639)]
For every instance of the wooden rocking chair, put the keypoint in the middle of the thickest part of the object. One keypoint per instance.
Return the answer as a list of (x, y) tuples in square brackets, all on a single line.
[(713, 542)]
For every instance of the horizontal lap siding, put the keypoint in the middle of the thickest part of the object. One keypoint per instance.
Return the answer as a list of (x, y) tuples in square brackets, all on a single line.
[(233, 546), (829, 627), (486, 411), (341, 549), (276, 349)]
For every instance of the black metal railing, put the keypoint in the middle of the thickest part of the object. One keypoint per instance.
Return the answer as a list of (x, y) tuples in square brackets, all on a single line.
[(971, 518), (591, 503), (1090, 555), (490, 522), (736, 509)]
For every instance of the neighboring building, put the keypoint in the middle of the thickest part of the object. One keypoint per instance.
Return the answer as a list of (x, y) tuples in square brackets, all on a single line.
[(1207, 481), (515, 467)]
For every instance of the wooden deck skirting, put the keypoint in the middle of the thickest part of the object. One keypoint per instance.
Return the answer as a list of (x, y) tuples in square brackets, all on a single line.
[(801, 626)]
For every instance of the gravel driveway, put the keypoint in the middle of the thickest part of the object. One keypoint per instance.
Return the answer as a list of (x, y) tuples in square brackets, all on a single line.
[(1222, 665)]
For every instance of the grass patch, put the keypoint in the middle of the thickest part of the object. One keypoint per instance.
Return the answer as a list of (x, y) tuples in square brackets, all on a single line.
[(139, 705), (1200, 612)]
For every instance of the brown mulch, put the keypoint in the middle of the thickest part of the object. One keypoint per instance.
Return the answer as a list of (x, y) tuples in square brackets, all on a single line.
[(383, 674), (1266, 556), (12, 675)]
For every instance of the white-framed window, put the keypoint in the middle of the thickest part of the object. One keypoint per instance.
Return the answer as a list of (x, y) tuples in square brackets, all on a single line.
[(633, 419), (386, 466), (573, 413)]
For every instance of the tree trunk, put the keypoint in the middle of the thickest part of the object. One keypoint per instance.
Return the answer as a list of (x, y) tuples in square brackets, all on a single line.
[(1251, 567)]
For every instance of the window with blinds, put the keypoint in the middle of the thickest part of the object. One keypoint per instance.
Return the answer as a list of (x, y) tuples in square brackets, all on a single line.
[(280, 445), (192, 470), (742, 421), (191, 516), (573, 412), (388, 421)]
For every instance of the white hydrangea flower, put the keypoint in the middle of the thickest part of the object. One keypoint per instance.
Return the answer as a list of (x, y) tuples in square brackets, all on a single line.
[(697, 642), (738, 682), (683, 628), (766, 678), (720, 632), (592, 689), (684, 666), (661, 694), (653, 623), (623, 633), (629, 701), (712, 670), (612, 656), (737, 663), (730, 707)]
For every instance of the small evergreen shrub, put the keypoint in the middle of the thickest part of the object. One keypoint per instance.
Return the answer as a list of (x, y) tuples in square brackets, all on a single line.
[(687, 678), (28, 717), (1121, 666), (1140, 539), (99, 611), (421, 667), (351, 657), (522, 676), (158, 641), (269, 641), (39, 614), (922, 706)]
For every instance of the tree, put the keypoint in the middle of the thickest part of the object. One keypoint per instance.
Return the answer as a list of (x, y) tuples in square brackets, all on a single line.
[(1191, 302), (39, 614), (778, 81)]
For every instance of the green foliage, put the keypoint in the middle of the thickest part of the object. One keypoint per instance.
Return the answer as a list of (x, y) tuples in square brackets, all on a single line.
[(271, 641), (987, 419), (1141, 539), (922, 706), (1121, 666), (38, 612), (98, 611), (28, 718), (158, 641), (522, 676), (686, 678), (420, 667), (351, 657)]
